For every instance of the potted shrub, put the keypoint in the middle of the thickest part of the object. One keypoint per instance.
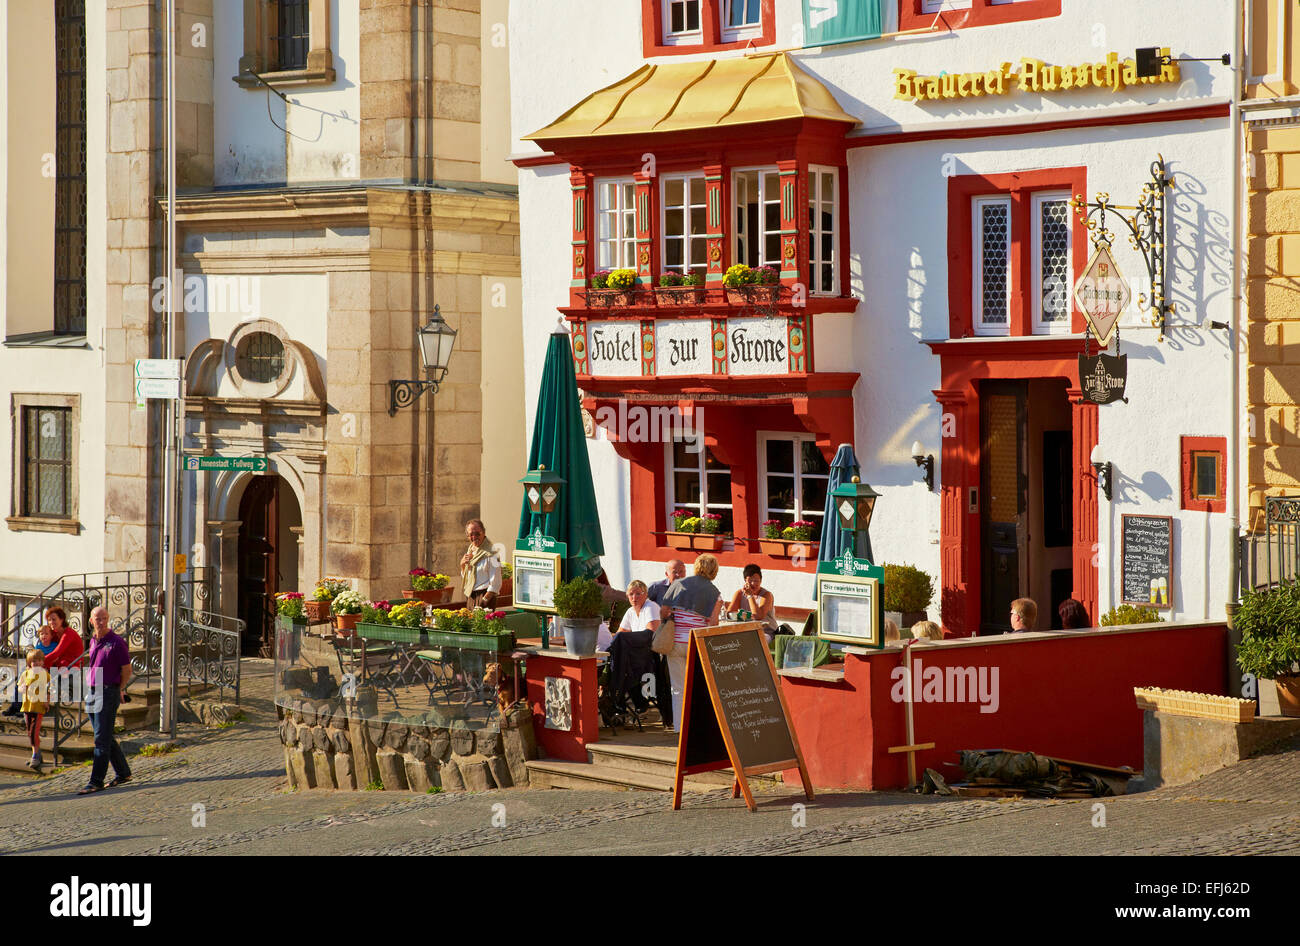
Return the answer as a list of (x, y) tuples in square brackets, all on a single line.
[(707, 538), (679, 537), (579, 609), (1269, 623), (680, 289), (428, 587), (290, 605), (346, 608), (908, 592)]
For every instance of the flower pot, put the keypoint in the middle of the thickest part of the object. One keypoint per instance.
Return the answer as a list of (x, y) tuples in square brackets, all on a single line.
[(507, 588), (346, 622), (680, 540), (317, 611), (610, 297), (1288, 694), (707, 541), (679, 295), (750, 295), (785, 548), (431, 595), (580, 635)]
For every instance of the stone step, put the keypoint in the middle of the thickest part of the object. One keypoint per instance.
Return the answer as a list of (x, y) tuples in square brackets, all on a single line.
[(658, 759), (555, 773)]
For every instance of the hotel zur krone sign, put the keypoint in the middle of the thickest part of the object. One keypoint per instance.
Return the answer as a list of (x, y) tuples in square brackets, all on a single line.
[(1034, 75)]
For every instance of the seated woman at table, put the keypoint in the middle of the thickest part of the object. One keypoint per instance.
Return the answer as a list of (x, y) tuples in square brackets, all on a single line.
[(642, 614), (757, 600), (691, 603)]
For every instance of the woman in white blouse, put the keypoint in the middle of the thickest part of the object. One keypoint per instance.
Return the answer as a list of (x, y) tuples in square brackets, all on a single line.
[(642, 614)]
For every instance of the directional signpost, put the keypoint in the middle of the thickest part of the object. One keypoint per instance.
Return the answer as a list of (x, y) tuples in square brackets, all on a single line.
[(157, 378), (239, 464)]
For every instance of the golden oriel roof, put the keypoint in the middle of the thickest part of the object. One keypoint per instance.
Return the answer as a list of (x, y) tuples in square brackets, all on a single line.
[(705, 94)]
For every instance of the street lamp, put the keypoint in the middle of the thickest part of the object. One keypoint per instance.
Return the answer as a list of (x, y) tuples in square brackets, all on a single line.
[(854, 503), (926, 461), (435, 342), (1104, 471), (542, 488)]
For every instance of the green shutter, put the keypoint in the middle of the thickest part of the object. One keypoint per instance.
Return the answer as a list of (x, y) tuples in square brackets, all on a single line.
[(840, 21)]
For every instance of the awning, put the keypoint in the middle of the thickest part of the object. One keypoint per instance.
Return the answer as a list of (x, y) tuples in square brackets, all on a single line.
[(705, 94)]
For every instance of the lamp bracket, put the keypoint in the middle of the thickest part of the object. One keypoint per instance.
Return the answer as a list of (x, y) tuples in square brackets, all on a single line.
[(405, 393)]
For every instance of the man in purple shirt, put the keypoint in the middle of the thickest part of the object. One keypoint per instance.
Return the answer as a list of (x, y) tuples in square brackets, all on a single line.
[(108, 670)]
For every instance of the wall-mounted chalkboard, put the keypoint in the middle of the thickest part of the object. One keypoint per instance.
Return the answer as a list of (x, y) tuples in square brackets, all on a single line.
[(1147, 560), (733, 712)]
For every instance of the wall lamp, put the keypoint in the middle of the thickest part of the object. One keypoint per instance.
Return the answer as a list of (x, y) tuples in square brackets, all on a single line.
[(1150, 62), (1104, 472), (435, 343), (1209, 325), (925, 461)]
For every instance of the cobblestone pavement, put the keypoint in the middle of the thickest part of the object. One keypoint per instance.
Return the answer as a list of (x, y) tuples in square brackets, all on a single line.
[(224, 792)]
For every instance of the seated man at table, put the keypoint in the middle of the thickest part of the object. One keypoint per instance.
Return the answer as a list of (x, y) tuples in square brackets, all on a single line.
[(674, 568), (1024, 612), (642, 613)]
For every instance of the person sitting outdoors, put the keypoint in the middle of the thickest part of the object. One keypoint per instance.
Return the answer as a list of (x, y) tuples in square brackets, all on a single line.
[(480, 568), (757, 600), (1023, 615), (892, 634), (1073, 614), (927, 631), (691, 603), (674, 568), (642, 614)]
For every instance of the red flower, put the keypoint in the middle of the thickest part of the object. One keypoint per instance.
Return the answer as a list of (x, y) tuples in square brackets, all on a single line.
[(418, 572)]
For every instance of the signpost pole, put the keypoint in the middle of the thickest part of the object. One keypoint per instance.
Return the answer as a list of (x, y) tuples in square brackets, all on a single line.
[(174, 409)]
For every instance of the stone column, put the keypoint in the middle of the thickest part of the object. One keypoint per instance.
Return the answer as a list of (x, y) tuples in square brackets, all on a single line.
[(224, 548)]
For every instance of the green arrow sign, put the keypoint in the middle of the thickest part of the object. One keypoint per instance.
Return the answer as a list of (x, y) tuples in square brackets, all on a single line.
[(242, 464)]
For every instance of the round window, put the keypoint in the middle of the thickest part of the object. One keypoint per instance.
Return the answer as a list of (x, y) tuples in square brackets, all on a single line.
[(259, 357)]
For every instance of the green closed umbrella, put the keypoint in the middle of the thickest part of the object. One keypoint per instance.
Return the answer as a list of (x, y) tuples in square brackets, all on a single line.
[(561, 446)]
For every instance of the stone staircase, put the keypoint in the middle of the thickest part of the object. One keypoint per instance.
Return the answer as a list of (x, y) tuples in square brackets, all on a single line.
[(632, 761)]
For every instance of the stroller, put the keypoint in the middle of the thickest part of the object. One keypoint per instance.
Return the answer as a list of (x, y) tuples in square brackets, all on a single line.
[(631, 681)]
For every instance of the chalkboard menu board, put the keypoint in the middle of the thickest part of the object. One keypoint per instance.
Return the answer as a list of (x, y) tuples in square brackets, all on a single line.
[(1147, 560), (733, 713)]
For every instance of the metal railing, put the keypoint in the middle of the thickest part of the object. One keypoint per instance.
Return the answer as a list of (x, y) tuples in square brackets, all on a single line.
[(1272, 556), (208, 649)]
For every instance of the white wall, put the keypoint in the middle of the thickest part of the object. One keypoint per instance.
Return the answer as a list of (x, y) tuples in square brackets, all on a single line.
[(323, 137), (898, 213)]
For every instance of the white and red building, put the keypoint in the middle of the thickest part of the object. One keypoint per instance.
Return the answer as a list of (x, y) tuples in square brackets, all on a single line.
[(914, 192)]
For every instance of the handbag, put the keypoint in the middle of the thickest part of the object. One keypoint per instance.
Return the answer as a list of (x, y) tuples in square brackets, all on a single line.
[(665, 638)]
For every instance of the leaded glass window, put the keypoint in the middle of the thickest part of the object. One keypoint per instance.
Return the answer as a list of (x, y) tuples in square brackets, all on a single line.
[(1052, 276), (47, 461), (992, 265), (70, 167)]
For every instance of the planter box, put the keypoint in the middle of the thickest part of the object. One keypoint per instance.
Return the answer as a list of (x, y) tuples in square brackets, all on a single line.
[(680, 540), (751, 295), (679, 295), (707, 541), (390, 633), (317, 611), (611, 297), (783, 548), (492, 643)]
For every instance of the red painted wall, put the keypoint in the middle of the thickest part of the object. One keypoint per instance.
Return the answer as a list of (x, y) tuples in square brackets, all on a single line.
[(556, 743), (1060, 695)]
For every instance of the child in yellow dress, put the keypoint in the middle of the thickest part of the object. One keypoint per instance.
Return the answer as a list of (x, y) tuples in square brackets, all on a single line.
[(34, 686)]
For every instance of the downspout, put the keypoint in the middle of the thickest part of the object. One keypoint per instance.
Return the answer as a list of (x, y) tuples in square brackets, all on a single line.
[(1235, 336)]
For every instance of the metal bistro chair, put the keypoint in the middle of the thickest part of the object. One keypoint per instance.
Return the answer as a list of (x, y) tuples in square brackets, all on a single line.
[(376, 666)]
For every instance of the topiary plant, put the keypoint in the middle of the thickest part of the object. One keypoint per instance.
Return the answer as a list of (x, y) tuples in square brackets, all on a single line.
[(1269, 622), (907, 588), (1130, 614), (579, 598)]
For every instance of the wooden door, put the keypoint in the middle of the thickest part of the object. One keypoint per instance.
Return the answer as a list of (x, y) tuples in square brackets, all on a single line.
[(258, 573), (1002, 514)]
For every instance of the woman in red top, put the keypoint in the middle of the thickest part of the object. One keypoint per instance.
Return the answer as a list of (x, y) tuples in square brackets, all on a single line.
[(67, 652)]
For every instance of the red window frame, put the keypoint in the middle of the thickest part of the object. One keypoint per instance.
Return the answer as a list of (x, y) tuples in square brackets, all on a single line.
[(652, 30), (1191, 446), (911, 15), (1020, 187)]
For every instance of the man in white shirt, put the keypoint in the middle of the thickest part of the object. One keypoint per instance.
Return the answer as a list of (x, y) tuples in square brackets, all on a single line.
[(480, 568)]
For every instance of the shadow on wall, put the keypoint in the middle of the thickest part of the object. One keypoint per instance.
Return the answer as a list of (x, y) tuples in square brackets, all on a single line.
[(1200, 261), (1154, 487)]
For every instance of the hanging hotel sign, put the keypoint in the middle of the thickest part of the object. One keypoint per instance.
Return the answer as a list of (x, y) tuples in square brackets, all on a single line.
[(1034, 75), (1102, 377), (1102, 294)]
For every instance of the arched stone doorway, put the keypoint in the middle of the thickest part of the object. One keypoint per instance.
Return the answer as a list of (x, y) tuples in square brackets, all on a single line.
[(270, 524)]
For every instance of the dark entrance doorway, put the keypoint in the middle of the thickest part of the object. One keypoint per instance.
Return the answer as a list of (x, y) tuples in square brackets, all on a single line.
[(268, 557), (1002, 514)]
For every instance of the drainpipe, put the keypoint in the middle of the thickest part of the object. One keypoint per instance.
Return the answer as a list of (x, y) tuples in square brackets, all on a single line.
[(1236, 340), (173, 409)]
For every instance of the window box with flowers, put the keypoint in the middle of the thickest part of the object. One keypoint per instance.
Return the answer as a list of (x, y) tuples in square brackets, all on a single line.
[(471, 630), (678, 289), (428, 587), (612, 288), (708, 538), (749, 285), (777, 544), (685, 526), (289, 611)]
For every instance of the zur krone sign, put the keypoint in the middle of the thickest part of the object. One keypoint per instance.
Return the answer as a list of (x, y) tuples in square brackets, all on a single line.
[(1034, 75)]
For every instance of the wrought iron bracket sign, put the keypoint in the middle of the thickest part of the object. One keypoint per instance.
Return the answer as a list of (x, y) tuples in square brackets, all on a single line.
[(1146, 225)]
